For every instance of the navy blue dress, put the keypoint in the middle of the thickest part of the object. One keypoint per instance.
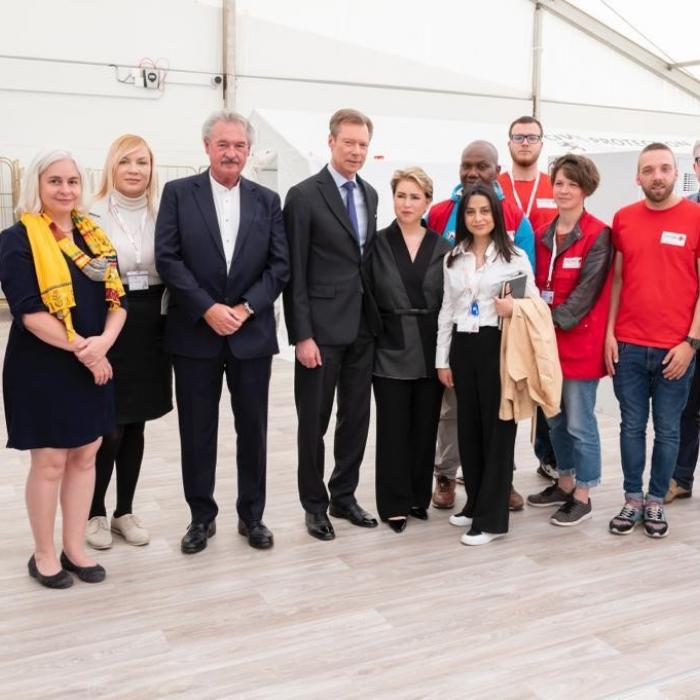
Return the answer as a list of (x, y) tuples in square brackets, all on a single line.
[(51, 399)]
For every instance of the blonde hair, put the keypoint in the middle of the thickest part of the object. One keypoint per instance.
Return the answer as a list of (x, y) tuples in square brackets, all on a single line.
[(416, 175), (29, 197), (120, 147)]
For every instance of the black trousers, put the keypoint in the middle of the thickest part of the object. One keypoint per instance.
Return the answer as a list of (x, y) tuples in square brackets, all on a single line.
[(346, 370), (198, 384), (408, 412), (486, 443)]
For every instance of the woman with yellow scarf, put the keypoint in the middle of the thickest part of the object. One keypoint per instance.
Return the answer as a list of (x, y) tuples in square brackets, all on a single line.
[(59, 274)]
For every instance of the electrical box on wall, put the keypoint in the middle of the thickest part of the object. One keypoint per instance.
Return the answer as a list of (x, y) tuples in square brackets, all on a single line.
[(150, 78)]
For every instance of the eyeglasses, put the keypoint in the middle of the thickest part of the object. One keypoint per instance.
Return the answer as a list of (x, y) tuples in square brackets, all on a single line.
[(530, 138)]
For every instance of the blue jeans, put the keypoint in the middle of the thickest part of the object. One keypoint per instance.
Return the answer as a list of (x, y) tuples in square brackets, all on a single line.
[(574, 433), (690, 436), (638, 378)]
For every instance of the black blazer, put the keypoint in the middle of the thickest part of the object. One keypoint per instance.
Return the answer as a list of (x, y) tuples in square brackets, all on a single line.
[(326, 295), (190, 260)]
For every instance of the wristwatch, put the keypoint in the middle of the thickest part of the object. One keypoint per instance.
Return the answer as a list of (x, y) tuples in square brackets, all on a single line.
[(693, 342), (249, 309)]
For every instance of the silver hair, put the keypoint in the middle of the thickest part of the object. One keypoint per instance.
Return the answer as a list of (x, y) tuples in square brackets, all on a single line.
[(228, 115), (29, 199)]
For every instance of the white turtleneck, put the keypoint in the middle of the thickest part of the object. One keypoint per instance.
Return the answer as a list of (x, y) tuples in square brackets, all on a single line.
[(130, 227)]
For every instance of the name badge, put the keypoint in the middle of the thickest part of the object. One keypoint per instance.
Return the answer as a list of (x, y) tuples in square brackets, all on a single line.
[(546, 203), (571, 263), (137, 280), (547, 296), (670, 238)]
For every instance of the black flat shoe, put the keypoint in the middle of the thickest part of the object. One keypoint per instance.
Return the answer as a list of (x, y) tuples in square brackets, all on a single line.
[(354, 513), (89, 574), (420, 513), (257, 533), (397, 524), (319, 526), (195, 539), (60, 580)]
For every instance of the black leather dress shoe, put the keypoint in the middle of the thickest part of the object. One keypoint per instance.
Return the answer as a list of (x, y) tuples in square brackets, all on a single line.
[(397, 524), (257, 533), (417, 512), (319, 526), (60, 580), (89, 574), (195, 539), (355, 514)]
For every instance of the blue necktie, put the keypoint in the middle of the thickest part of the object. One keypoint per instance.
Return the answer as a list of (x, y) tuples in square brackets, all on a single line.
[(349, 186)]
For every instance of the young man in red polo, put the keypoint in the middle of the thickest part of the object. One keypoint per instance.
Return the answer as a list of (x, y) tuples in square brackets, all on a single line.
[(653, 332)]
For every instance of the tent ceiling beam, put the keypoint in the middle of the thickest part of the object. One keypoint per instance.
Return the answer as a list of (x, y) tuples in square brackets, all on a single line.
[(670, 72)]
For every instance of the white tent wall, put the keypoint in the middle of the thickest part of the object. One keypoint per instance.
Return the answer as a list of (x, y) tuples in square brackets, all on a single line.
[(465, 62), (73, 97)]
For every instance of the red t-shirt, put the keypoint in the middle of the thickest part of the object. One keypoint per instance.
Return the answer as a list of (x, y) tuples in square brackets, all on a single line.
[(543, 208), (660, 250)]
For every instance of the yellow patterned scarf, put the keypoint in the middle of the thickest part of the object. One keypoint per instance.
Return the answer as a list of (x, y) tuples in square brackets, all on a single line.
[(48, 247)]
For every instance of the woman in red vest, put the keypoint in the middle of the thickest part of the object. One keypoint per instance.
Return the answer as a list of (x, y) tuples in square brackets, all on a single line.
[(574, 254)]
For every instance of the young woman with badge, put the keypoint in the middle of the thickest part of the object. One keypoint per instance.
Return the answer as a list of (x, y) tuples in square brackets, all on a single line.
[(406, 274), (126, 204), (468, 357), (574, 255), (59, 274)]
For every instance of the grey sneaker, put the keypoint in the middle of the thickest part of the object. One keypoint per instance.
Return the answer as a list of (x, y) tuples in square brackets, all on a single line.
[(547, 471), (655, 524), (572, 513), (551, 496), (626, 520)]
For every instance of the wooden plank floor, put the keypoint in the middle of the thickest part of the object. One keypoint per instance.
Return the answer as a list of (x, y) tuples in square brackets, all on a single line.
[(545, 613)]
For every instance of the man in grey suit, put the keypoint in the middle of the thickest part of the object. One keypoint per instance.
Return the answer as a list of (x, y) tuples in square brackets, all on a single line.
[(330, 220)]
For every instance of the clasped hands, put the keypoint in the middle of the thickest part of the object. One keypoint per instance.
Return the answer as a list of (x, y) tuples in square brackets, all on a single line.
[(226, 320), (92, 352)]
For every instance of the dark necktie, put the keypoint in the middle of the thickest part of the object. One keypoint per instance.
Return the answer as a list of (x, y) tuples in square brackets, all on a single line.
[(349, 186)]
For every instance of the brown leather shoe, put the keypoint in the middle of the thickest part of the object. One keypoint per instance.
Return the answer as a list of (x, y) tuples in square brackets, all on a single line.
[(515, 500), (675, 490), (444, 494)]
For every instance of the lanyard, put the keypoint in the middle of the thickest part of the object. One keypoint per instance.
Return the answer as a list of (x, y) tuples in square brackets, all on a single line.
[(552, 261), (135, 240), (533, 194)]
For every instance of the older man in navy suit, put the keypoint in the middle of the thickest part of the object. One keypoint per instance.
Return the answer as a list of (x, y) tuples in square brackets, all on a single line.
[(222, 252)]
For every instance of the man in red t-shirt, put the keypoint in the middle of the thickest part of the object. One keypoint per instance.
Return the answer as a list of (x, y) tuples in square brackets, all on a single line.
[(653, 332), (530, 191)]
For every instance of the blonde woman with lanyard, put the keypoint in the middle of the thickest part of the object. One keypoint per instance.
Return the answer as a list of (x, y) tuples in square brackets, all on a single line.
[(59, 274), (126, 204)]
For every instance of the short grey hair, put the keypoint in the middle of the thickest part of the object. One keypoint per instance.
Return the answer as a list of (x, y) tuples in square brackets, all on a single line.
[(227, 115), (696, 148), (29, 199)]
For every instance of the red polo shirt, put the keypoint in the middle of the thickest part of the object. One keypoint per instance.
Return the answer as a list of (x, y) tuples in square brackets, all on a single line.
[(660, 250), (543, 207)]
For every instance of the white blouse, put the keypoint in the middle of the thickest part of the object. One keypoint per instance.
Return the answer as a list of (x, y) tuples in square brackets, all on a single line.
[(131, 227), (464, 285)]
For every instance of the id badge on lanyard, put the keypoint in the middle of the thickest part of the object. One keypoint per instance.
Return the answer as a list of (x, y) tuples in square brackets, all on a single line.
[(547, 293)]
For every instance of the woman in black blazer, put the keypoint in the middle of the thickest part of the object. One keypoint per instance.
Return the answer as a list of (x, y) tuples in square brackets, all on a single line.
[(406, 271)]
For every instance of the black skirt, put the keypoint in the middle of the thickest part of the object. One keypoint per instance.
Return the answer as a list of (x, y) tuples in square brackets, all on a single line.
[(142, 368)]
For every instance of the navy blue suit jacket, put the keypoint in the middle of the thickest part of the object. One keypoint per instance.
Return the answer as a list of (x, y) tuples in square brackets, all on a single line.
[(190, 260)]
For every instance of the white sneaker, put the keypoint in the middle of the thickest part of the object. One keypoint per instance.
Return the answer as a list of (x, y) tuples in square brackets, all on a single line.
[(97, 533), (131, 529), (460, 520), (481, 538)]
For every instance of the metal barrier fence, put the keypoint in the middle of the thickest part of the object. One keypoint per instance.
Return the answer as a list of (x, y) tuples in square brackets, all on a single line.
[(9, 191)]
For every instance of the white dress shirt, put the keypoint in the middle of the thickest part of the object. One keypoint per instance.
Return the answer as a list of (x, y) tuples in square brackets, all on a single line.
[(464, 284), (358, 198), (228, 211)]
